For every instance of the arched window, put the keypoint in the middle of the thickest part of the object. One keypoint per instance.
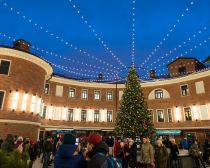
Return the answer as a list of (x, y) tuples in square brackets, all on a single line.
[(158, 94)]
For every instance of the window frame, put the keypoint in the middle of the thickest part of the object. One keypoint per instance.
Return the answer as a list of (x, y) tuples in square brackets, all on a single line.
[(82, 115), (74, 92), (99, 94), (48, 89), (187, 112), (188, 92), (10, 63), (96, 116), (43, 116), (108, 121), (109, 91), (2, 105), (70, 110), (159, 93), (171, 115), (82, 94), (158, 116)]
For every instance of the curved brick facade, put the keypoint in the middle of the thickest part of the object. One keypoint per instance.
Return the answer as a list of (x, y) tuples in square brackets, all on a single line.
[(181, 103)]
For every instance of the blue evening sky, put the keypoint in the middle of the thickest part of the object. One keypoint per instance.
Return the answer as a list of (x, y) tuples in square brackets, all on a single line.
[(82, 38)]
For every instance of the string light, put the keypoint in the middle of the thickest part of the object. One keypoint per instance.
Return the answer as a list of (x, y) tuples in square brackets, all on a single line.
[(72, 60), (96, 34), (64, 68), (169, 32), (133, 32), (183, 43), (58, 38)]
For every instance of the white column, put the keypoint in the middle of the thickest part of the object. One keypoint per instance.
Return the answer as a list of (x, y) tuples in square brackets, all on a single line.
[(15, 100), (195, 112), (38, 106), (24, 102), (50, 112), (177, 113), (77, 114), (33, 103), (90, 115), (64, 113)]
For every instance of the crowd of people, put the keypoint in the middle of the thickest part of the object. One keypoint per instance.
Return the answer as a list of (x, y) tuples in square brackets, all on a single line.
[(96, 151)]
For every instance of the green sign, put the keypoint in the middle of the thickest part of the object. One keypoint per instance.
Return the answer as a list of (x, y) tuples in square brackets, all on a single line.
[(168, 132)]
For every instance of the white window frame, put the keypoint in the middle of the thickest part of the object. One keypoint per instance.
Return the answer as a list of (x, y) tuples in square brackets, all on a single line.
[(171, 114), (68, 114), (159, 94), (163, 115), (107, 95), (74, 92), (107, 116), (48, 89), (188, 90), (3, 99), (85, 115), (190, 113), (99, 94), (82, 94), (9, 66), (98, 115)]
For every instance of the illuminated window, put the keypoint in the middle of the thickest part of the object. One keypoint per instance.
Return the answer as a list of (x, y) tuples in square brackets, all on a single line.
[(84, 94), (187, 114), (24, 102), (47, 88), (109, 95), (109, 116), (169, 115), (184, 90), (70, 114), (4, 67), (96, 115), (158, 94), (97, 95), (83, 115), (72, 92), (160, 114)]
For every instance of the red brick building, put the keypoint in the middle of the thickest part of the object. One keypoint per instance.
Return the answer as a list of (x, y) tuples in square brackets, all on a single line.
[(33, 100)]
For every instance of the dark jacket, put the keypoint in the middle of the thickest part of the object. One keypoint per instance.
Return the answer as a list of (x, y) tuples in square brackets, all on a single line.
[(174, 151), (98, 156), (65, 157)]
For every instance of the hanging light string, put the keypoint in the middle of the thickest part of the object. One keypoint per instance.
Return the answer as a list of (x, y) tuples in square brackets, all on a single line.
[(179, 46), (170, 31), (73, 60), (184, 53), (58, 38), (95, 33), (65, 68), (133, 32)]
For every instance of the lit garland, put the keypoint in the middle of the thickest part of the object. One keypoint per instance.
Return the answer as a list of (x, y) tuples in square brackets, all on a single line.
[(64, 68), (133, 32), (96, 34), (72, 60), (157, 47), (56, 37), (179, 46)]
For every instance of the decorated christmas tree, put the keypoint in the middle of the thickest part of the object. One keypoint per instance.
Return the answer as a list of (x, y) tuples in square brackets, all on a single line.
[(133, 118)]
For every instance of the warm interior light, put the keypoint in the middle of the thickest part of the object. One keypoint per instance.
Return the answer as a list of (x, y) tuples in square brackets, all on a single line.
[(38, 106), (77, 114), (14, 100), (177, 111), (33, 103), (64, 113), (90, 116), (103, 115), (50, 112), (195, 112), (24, 102)]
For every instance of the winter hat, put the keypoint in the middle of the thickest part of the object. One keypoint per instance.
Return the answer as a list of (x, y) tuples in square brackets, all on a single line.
[(94, 138), (20, 138), (69, 139)]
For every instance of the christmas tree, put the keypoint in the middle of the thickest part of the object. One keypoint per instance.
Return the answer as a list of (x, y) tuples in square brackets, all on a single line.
[(133, 118)]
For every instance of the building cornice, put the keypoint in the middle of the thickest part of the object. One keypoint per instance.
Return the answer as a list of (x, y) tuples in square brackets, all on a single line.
[(10, 52), (20, 122), (157, 82)]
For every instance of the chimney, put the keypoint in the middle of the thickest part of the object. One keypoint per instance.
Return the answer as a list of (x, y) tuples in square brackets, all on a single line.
[(21, 45), (152, 74), (100, 76)]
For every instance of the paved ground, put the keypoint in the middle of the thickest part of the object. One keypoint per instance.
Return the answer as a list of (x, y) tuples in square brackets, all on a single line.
[(38, 164)]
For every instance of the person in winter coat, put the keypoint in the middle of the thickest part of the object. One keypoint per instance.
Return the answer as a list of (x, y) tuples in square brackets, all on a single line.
[(68, 154), (147, 153), (119, 150), (195, 153), (174, 153), (185, 144), (161, 155), (7, 145), (97, 151), (132, 151), (32, 153)]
